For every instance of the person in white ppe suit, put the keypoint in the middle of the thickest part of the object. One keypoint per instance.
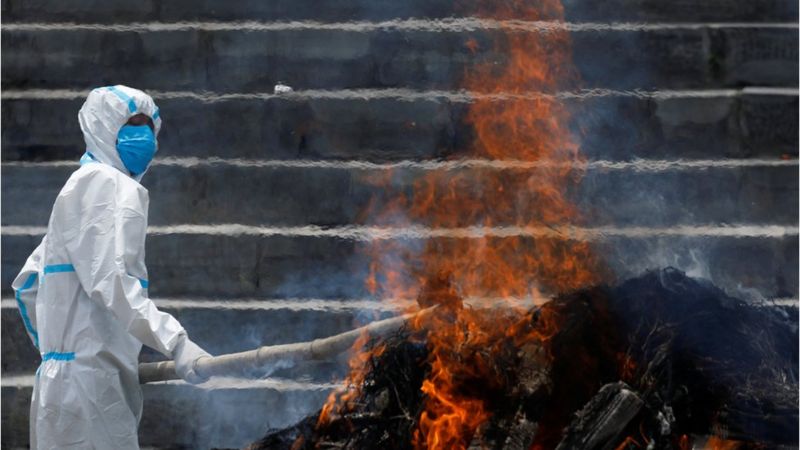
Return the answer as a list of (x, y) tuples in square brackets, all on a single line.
[(83, 295)]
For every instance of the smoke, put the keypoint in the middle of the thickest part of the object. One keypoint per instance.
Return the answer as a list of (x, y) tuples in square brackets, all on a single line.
[(750, 268), (226, 413)]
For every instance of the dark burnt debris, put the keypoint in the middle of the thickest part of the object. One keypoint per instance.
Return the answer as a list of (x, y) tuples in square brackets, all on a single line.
[(660, 361)]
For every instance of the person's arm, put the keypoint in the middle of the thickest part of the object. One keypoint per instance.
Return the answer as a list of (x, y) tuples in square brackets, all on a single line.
[(26, 286), (108, 256)]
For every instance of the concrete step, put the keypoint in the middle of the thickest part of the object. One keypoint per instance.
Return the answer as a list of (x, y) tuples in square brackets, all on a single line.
[(739, 259), (749, 123), (116, 11), (298, 196), (245, 60), (223, 327), (220, 413)]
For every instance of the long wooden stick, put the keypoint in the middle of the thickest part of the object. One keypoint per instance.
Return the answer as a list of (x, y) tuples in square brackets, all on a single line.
[(238, 363)]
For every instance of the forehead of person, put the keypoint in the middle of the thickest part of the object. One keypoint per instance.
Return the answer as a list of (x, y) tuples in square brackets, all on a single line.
[(141, 119)]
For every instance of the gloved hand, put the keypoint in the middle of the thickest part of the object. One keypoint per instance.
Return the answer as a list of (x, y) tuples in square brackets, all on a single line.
[(186, 355)]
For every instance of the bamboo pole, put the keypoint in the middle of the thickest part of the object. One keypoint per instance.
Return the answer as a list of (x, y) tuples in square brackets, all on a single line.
[(238, 363)]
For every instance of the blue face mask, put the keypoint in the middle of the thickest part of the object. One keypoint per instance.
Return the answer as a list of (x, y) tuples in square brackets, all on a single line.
[(136, 145)]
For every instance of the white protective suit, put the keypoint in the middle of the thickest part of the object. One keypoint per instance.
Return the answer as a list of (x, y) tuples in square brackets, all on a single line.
[(83, 296)]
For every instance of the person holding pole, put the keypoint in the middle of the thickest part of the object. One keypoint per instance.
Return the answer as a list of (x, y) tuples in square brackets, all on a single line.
[(82, 293)]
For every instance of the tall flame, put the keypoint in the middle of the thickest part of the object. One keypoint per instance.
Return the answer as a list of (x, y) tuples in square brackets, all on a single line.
[(444, 271)]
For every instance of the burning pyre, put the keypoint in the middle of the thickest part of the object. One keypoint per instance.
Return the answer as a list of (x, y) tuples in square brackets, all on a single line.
[(662, 362), (659, 362), (463, 343)]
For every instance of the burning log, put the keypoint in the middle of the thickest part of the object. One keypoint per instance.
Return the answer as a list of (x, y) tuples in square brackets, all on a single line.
[(253, 360), (660, 361)]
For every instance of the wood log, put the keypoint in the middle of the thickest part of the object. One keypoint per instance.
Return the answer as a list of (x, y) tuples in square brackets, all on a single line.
[(603, 418)]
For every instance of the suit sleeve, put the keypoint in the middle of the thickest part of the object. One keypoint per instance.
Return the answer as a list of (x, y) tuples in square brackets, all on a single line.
[(26, 287), (108, 255)]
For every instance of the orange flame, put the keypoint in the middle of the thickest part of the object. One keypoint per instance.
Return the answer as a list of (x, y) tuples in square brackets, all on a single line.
[(717, 443), (461, 339), (340, 400), (521, 130)]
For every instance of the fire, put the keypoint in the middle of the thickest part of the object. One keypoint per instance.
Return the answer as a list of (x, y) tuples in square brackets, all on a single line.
[(518, 130), (341, 400), (449, 415), (717, 443), (463, 344), (446, 271)]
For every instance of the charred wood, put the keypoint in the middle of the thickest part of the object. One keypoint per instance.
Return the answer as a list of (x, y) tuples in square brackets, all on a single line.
[(602, 419)]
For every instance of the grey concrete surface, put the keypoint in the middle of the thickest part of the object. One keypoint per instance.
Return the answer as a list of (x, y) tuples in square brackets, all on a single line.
[(235, 61), (747, 125), (323, 267), (111, 11), (233, 266), (338, 197)]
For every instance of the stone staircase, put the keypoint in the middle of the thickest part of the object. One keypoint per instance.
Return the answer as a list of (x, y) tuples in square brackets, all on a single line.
[(256, 198)]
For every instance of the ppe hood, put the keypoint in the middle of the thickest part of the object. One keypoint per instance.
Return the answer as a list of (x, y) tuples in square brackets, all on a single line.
[(105, 111)]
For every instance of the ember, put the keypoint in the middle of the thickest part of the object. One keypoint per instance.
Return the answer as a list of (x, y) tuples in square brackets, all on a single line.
[(660, 361)]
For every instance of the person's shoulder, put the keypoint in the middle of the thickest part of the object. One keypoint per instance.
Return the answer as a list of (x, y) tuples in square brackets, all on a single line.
[(105, 174), (103, 181)]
